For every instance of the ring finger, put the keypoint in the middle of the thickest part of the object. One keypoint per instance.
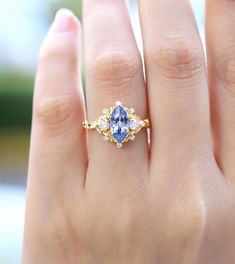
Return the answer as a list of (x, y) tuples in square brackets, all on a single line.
[(113, 73)]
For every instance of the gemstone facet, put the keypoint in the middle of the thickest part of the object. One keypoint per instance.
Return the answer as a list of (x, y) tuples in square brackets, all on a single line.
[(119, 124)]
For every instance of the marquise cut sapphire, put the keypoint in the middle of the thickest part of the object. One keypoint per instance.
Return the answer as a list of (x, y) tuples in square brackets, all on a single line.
[(119, 123)]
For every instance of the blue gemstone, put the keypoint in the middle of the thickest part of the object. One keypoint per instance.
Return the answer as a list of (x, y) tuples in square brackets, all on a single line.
[(119, 123)]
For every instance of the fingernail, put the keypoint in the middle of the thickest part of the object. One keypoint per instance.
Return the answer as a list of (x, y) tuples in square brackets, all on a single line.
[(64, 21)]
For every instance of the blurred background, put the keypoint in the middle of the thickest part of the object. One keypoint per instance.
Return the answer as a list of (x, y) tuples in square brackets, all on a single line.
[(23, 25)]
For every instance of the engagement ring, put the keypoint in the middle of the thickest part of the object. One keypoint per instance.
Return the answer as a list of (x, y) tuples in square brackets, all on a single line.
[(117, 124)]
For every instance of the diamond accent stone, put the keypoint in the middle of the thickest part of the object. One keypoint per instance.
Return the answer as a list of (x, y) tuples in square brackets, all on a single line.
[(134, 124), (119, 124), (132, 138), (119, 145), (103, 124), (105, 111), (132, 110)]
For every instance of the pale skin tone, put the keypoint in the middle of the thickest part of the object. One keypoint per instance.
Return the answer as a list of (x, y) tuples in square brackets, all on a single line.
[(173, 202)]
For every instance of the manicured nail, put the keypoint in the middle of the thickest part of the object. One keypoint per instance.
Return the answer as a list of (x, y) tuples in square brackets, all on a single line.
[(64, 21)]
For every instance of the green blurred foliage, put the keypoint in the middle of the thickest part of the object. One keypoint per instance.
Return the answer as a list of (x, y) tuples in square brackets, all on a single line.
[(16, 87), (16, 91), (14, 81), (74, 5)]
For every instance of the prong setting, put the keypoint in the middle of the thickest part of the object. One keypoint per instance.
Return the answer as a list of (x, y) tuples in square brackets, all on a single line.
[(142, 124), (118, 103), (105, 138)]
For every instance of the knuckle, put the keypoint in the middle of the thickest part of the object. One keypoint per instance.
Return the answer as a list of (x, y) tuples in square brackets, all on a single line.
[(55, 111), (115, 69), (188, 219), (226, 71), (60, 231), (178, 59), (195, 221), (55, 232), (190, 227)]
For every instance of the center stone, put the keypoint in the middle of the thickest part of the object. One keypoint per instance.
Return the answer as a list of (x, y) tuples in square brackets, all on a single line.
[(119, 123)]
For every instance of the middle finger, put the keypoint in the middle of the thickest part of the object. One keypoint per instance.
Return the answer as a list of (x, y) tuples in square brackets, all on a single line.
[(176, 80)]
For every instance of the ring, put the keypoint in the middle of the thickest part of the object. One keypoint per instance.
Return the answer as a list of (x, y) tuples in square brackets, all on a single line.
[(117, 124)]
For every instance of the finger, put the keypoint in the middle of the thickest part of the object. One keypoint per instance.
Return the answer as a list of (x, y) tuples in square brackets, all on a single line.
[(220, 25), (58, 153), (176, 79), (113, 73)]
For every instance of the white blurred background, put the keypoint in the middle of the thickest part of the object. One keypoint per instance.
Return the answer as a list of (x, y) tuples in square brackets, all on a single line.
[(23, 24)]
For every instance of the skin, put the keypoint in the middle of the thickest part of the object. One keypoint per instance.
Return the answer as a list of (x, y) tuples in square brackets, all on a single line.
[(173, 202)]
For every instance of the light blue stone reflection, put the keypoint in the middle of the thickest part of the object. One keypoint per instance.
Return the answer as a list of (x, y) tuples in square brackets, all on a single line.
[(119, 123)]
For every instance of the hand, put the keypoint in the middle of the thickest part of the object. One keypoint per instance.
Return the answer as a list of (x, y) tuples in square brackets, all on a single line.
[(172, 202)]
